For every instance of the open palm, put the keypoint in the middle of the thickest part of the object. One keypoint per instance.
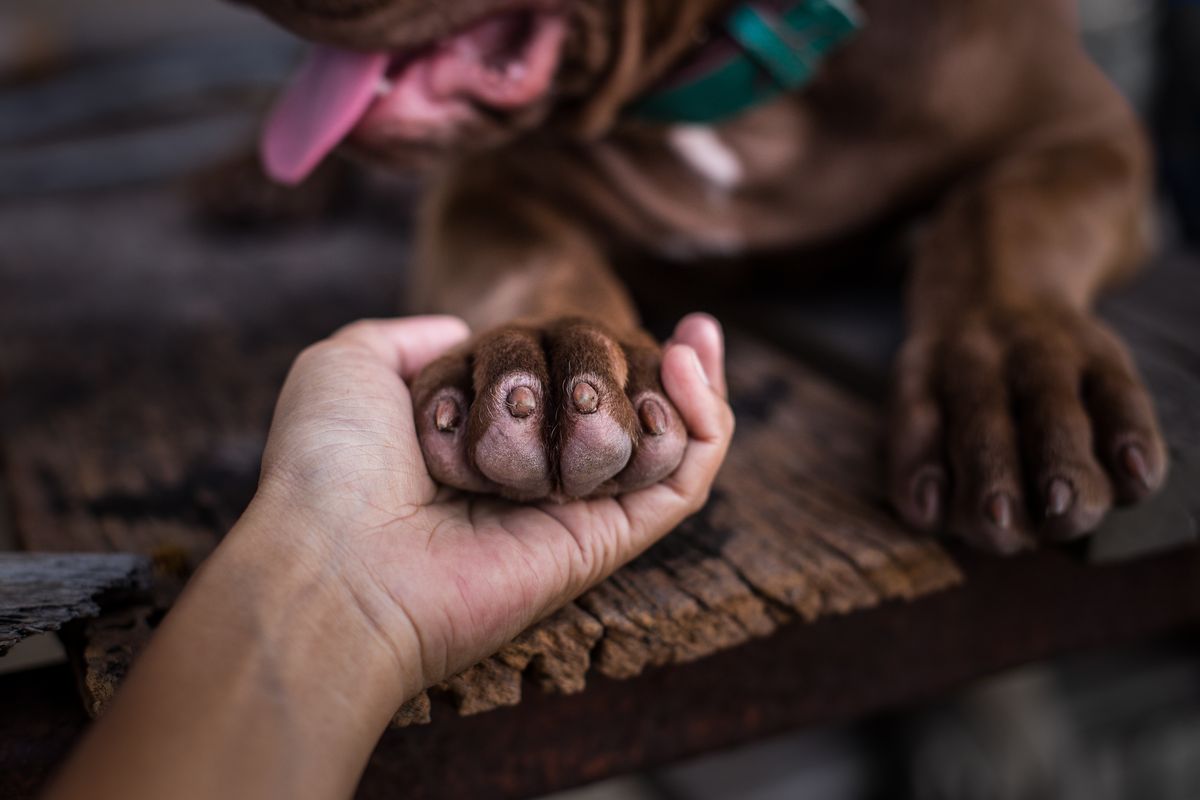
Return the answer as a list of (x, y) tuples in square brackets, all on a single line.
[(443, 574)]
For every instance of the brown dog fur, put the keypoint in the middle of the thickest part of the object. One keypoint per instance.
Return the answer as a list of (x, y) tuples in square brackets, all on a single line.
[(1017, 415)]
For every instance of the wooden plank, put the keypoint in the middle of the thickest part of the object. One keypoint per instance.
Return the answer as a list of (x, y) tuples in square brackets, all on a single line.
[(1007, 612), (41, 592), (136, 431)]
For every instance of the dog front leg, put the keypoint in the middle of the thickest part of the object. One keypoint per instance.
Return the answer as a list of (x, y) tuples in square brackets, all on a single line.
[(1018, 415), (557, 394)]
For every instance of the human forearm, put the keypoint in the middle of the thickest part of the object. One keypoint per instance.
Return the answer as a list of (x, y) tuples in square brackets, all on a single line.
[(266, 680)]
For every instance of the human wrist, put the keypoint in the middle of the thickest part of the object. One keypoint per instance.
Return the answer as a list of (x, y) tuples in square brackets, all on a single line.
[(306, 598), (263, 680)]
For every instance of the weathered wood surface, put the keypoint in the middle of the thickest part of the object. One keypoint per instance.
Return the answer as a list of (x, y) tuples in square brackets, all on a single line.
[(1006, 612), (146, 379), (898, 655), (40, 592), (104, 648)]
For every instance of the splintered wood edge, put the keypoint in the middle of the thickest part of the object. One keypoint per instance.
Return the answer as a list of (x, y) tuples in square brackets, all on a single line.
[(622, 645), (104, 648), (41, 592)]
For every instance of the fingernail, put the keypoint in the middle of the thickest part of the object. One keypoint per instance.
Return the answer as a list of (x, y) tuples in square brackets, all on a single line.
[(446, 416), (999, 510), (654, 419), (699, 367), (521, 402), (1059, 497), (1133, 461), (929, 499), (585, 398)]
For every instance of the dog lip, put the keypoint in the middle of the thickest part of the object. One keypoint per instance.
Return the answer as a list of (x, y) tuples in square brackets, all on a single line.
[(505, 61), (494, 56)]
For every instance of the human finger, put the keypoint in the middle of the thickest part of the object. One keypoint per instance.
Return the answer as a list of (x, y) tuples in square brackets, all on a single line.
[(405, 345)]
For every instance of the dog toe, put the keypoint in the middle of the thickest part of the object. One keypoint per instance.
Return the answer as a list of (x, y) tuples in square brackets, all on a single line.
[(595, 441), (988, 507), (1069, 490), (510, 416), (661, 443), (509, 440), (596, 424), (441, 396), (917, 480), (661, 435), (1126, 429)]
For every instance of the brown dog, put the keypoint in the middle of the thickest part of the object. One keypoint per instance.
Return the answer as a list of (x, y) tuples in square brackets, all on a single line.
[(1017, 414)]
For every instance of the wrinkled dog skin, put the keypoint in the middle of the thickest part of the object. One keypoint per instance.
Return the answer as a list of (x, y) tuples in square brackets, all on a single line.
[(1018, 416)]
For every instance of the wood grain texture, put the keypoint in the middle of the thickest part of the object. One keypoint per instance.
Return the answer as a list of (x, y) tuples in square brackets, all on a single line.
[(104, 648), (147, 382), (894, 657), (41, 592)]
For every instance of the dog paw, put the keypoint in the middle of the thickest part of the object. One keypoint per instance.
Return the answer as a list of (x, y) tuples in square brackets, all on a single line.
[(564, 409), (1014, 427)]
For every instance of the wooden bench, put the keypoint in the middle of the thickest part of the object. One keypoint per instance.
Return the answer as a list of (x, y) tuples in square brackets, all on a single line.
[(142, 352)]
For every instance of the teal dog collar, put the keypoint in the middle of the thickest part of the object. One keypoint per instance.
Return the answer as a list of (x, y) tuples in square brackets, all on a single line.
[(759, 51)]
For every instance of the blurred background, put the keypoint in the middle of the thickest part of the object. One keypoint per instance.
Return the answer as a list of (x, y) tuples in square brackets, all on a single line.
[(132, 95)]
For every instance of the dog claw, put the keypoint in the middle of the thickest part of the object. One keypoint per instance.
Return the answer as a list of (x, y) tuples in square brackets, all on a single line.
[(929, 499), (1059, 497), (653, 418), (585, 398), (521, 402), (1133, 461), (999, 510), (446, 417)]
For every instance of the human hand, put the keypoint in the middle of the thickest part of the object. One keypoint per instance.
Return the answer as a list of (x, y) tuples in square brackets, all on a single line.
[(353, 581), (444, 578)]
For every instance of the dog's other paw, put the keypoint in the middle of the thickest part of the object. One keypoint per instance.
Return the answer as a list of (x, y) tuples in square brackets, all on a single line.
[(561, 409), (1017, 426)]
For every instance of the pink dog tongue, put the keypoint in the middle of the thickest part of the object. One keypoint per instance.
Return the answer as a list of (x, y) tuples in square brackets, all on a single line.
[(324, 101)]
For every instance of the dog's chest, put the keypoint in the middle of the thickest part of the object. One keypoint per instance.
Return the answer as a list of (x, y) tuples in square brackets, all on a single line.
[(774, 178), (696, 190), (884, 123)]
